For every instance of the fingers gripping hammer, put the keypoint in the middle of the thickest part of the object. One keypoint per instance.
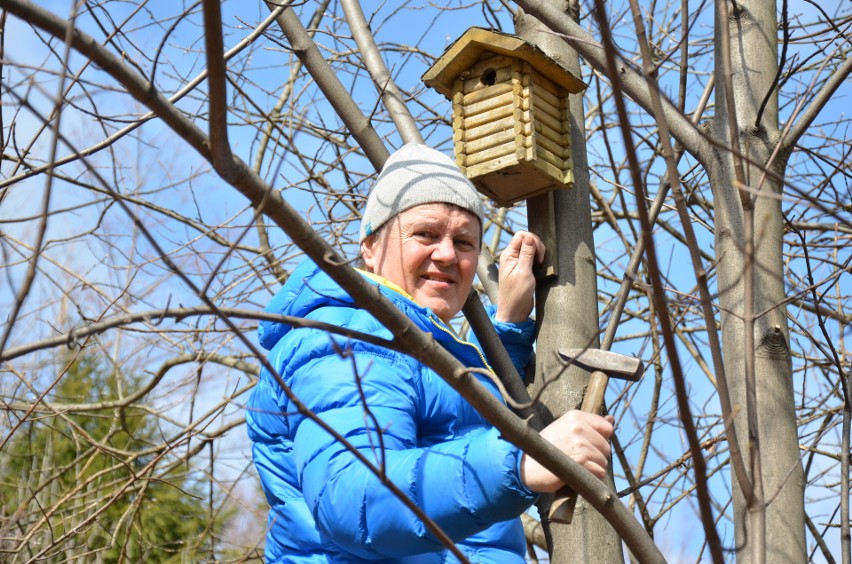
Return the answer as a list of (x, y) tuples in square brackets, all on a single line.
[(603, 365)]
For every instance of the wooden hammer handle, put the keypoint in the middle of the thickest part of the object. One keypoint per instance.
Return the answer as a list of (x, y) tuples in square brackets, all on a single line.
[(562, 509)]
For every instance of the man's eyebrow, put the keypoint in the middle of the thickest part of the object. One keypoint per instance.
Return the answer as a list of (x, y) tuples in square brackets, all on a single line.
[(425, 223), (466, 233)]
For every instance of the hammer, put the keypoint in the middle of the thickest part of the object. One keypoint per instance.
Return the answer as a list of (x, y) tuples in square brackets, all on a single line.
[(603, 365)]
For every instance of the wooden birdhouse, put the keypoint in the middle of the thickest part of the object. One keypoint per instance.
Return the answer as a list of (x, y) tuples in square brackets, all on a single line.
[(510, 114)]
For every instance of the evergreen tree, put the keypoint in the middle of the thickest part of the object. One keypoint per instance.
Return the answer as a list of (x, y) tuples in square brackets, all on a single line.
[(86, 474)]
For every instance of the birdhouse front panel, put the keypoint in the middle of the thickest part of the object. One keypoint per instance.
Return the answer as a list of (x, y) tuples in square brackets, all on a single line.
[(484, 114), (511, 129)]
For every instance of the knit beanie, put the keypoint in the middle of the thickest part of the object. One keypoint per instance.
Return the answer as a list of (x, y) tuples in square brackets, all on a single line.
[(413, 175)]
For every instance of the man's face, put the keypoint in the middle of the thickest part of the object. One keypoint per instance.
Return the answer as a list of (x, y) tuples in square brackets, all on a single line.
[(430, 251)]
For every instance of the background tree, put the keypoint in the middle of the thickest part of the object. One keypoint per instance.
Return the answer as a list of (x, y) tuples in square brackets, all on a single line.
[(85, 482), (152, 233)]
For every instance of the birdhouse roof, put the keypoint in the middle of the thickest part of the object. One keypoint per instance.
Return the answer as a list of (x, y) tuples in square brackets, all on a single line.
[(468, 49)]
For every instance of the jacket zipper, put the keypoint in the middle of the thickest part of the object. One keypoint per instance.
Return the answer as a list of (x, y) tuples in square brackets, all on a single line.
[(455, 337)]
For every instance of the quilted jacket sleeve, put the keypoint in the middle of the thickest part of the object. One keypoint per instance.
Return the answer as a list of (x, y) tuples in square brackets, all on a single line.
[(371, 398), (517, 338)]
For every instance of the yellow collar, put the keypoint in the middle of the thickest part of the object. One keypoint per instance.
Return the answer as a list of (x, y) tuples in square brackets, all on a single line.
[(385, 282)]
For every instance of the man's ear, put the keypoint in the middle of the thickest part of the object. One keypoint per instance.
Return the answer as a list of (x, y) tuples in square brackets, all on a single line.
[(368, 254)]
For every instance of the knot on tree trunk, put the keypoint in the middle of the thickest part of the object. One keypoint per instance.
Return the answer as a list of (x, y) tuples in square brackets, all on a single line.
[(773, 344)]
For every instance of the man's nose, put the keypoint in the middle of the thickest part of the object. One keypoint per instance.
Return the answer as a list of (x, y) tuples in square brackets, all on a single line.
[(445, 251)]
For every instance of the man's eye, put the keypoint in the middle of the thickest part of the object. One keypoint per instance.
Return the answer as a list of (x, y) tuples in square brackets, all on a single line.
[(424, 235), (465, 245)]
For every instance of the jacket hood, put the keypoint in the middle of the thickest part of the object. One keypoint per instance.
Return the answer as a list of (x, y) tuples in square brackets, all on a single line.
[(307, 289)]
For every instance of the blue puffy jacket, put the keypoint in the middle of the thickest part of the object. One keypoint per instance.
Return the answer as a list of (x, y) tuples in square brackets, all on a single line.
[(326, 506)]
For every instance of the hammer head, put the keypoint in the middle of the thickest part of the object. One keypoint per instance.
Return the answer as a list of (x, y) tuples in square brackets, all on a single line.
[(612, 364)]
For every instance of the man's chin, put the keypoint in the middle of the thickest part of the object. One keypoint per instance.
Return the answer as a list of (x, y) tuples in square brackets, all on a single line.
[(441, 308)]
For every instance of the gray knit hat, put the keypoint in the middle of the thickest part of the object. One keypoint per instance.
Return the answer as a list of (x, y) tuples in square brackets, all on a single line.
[(413, 175)]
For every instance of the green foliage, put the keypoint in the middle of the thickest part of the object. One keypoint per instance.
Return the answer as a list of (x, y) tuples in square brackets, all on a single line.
[(86, 478)]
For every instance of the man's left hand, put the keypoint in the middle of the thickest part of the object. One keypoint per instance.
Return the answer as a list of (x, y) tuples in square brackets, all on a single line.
[(517, 283)]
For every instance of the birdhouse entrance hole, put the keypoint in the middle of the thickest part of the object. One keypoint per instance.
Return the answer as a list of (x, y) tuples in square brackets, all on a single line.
[(489, 76)]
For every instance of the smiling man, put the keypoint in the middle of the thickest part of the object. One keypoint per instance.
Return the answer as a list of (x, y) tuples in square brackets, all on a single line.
[(421, 233), (430, 251)]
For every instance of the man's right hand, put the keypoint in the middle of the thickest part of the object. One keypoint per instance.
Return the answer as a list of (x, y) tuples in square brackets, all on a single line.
[(582, 436)]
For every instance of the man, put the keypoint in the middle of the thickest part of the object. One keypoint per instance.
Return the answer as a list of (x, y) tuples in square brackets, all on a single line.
[(420, 237)]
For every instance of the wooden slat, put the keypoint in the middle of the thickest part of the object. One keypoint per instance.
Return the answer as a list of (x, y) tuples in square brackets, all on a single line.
[(540, 80), (545, 118), (483, 94), (556, 162), (505, 124), (519, 74), (484, 143), (493, 165), (471, 122), (542, 93), (554, 172), (542, 106), (490, 154), (556, 149), (560, 139), (489, 104), (458, 121)]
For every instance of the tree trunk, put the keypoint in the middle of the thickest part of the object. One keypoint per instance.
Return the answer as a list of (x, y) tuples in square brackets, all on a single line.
[(766, 420), (566, 305)]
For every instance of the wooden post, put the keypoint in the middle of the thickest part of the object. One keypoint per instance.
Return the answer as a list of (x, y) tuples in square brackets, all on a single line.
[(566, 304)]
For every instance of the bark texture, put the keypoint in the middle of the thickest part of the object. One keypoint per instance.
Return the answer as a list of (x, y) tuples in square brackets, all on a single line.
[(752, 27)]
